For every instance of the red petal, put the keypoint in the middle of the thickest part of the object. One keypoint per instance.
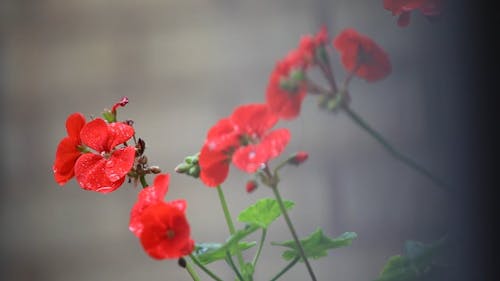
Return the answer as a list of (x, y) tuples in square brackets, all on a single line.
[(95, 135), (147, 197), (214, 166), (362, 53), (89, 171), (118, 134), (285, 105), (74, 124), (250, 158), (179, 204), (222, 135), (275, 142), (120, 163), (66, 156), (253, 119), (158, 220)]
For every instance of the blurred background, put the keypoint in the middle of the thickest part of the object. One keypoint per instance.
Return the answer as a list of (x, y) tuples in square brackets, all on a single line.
[(186, 64)]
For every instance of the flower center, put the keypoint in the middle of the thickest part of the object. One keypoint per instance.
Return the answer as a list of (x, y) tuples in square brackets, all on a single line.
[(170, 234)]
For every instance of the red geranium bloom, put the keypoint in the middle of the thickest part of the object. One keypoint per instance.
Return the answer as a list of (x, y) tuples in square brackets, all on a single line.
[(105, 170), (150, 196), (67, 151), (287, 86), (166, 231), (403, 8), (359, 54), (243, 138)]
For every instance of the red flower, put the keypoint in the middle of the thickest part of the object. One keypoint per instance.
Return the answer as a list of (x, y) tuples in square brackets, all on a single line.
[(150, 196), (287, 88), (166, 231), (243, 138), (403, 8), (67, 151), (359, 54), (105, 170), (287, 85)]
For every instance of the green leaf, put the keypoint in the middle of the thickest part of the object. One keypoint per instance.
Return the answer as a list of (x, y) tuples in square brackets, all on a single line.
[(210, 252), (398, 268), (263, 212), (315, 245), (417, 262)]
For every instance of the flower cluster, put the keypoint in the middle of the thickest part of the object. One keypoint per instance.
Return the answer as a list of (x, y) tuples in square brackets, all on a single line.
[(98, 154), (403, 8), (243, 139)]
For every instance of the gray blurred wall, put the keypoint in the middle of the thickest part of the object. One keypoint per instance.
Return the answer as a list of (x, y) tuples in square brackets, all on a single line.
[(184, 65)]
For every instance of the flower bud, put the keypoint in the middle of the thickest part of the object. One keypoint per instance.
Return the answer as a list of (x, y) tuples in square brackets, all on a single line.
[(251, 186), (299, 158), (155, 169), (182, 168), (182, 262)]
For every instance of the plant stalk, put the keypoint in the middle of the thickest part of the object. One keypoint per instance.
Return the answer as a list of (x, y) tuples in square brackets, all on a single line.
[(277, 194)]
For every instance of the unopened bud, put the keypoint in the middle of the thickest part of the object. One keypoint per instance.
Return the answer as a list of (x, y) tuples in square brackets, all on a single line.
[(121, 103), (155, 169), (140, 146), (182, 262), (299, 158), (251, 186), (182, 168), (194, 171)]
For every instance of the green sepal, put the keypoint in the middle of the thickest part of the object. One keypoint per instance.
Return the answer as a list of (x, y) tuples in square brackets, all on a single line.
[(109, 116), (263, 212), (316, 245), (209, 252)]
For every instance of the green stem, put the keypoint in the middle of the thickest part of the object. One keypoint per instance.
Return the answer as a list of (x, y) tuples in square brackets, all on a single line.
[(230, 261), (395, 153), (144, 183), (277, 194), (202, 267), (284, 270), (259, 250), (192, 272), (229, 221)]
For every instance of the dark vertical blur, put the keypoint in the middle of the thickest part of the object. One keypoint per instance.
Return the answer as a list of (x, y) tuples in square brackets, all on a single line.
[(475, 217)]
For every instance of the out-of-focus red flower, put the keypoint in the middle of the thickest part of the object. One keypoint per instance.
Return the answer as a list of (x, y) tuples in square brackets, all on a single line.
[(245, 139), (166, 232), (67, 151), (362, 55), (310, 45), (287, 85), (105, 170), (403, 8)]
